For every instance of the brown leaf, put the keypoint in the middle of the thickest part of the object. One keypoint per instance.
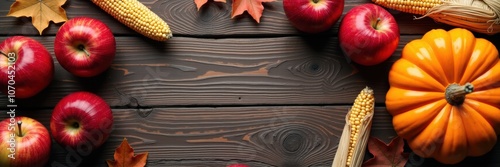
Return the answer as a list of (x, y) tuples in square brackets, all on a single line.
[(200, 3), (385, 155), (124, 157), (40, 11), (253, 7)]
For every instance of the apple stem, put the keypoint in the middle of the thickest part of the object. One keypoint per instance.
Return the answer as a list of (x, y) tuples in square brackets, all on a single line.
[(376, 23), (315, 1), (81, 47), (19, 130)]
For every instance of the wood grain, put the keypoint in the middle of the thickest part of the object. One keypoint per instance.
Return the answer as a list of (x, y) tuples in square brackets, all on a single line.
[(214, 19), (193, 71), (219, 72), (266, 136), (281, 136)]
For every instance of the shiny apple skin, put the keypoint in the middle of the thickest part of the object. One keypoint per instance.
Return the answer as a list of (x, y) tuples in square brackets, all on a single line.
[(34, 66), (93, 115), (311, 17), (32, 149), (363, 43), (92, 34)]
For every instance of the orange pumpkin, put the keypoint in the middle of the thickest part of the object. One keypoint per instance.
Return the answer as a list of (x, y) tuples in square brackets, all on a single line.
[(444, 95)]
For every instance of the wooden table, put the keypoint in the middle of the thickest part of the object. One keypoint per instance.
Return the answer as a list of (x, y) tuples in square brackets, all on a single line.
[(223, 90)]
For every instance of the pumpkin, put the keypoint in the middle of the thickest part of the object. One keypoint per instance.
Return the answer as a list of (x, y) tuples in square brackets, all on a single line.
[(444, 95)]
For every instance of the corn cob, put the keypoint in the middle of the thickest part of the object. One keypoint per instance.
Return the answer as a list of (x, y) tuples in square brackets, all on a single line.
[(419, 7), (481, 16), (363, 105), (138, 17), (352, 145)]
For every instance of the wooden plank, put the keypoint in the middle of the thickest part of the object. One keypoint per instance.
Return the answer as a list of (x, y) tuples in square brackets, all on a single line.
[(214, 19), (263, 136), (193, 71), (207, 72), (215, 136)]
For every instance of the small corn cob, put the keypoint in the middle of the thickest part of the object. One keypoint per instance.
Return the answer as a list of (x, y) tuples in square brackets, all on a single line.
[(352, 145), (363, 105), (138, 17), (419, 7)]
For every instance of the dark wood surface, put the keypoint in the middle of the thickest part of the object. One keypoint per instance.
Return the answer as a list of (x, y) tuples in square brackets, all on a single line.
[(224, 90)]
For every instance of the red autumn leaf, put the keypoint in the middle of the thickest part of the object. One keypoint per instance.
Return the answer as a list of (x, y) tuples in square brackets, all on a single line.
[(253, 7), (124, 157), (385, 155), (200, 3)]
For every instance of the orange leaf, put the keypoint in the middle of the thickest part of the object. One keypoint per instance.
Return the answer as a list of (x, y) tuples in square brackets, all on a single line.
[(124, 157), (253, 7), (40, 11), (200, 3), (386, 154)]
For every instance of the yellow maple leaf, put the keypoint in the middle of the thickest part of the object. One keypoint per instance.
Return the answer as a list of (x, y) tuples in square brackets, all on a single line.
[(40, 11)]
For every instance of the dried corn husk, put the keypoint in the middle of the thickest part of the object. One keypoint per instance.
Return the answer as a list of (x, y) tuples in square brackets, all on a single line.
[(340, 159), (481, 16)]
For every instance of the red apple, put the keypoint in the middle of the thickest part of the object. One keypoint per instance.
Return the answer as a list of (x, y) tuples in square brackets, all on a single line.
[(26, 67), (313, 16), (81, 121), (368, 34), (85, 46), (27, 146)]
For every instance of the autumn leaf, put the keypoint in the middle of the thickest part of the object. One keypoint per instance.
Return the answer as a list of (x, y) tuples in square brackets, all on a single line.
[(386, 155), (200, 3), (40, 11), (124, 157), (253, 7)]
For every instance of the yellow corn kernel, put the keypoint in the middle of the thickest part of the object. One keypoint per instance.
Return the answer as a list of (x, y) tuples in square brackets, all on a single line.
[(136, 16), (363, 105), (419, 7)]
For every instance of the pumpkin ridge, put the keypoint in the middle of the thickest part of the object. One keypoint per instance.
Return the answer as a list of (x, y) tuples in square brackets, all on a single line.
[(478, 132), (484, 56), (411, 123), (439, 40), (421, 54), (454, 146), (490, 96), (487, 111), (420, 79), (405, 102), (489, 79), (431, 137), (463, 43)]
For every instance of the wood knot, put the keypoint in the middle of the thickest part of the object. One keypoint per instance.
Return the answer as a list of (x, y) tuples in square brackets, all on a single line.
[(292, 142), (321, 70), (314, 67), (144, 112)]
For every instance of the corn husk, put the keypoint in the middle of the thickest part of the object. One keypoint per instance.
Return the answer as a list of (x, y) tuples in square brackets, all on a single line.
[(340, 159), (476, 15), (482, 16)]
